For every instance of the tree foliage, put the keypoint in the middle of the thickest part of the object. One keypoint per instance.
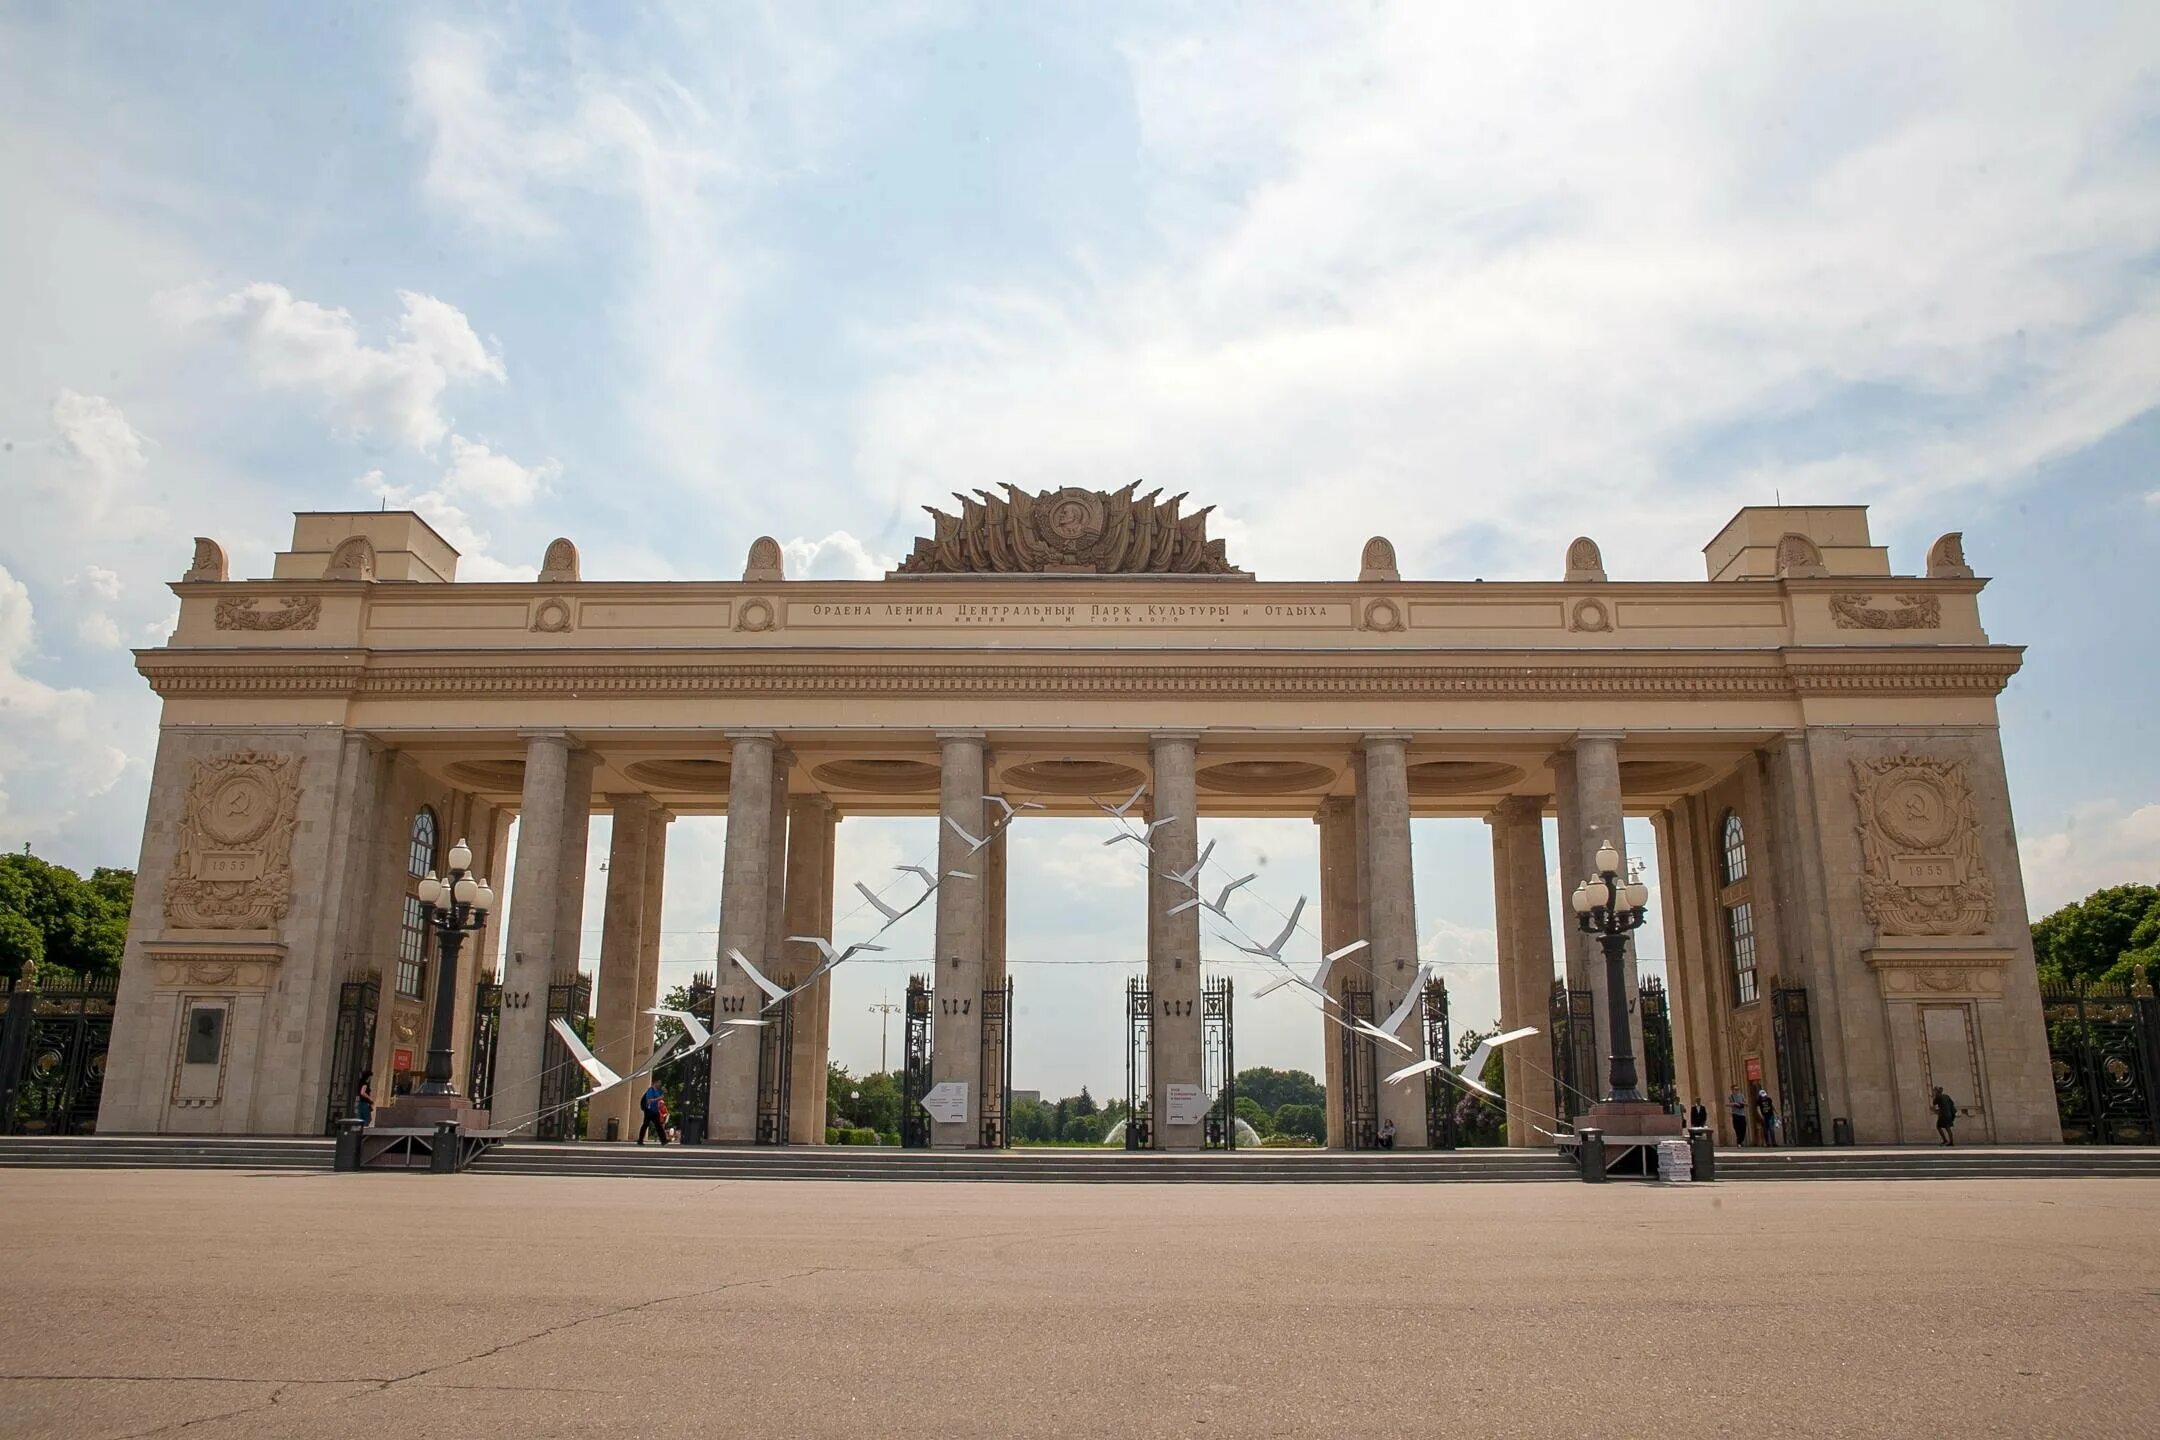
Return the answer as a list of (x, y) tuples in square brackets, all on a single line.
[(1253, 1113), (1307, 1121), (50, 916), (2100, 937), (1273, 1088)]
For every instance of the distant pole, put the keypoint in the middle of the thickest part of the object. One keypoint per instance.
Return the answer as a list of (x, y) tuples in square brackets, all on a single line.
[(884, 1009)]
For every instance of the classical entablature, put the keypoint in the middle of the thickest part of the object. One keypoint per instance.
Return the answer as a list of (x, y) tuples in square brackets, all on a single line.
[(1069, 532)]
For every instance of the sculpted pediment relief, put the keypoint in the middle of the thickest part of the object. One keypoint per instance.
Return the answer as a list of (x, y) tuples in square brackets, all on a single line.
[(1070, 531)]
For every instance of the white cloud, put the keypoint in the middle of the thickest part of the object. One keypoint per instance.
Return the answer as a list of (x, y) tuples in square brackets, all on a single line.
[(98, 582), (95, 432), (395, 390), (2103, 843), (839, 556), (56, 757), (478, 473)]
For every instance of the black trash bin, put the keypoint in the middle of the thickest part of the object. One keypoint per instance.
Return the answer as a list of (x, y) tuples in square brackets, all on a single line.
[(614, 1127), (1840, 1131), (693, 1130), (347, 1154)]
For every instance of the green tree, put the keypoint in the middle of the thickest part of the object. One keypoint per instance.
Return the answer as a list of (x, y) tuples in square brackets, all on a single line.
[(1274, 1088), (51, 916), (1084, 1103), (2086, 940), (1253, 1113), (1032, 1123), (1309, 1121), (1086, 1129)]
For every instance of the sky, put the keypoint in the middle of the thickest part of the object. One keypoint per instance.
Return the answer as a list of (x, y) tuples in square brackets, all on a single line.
[(665, 278)]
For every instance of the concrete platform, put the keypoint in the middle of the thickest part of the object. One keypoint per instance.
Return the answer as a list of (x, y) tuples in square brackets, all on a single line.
[(311, 1304)]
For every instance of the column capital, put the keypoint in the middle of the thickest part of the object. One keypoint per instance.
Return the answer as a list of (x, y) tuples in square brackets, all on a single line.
[(944, 735), (618, 803), (530, 736), (1335, 803), (1166, 736), (813, 801), (1614, 736), (1514, 809), (738, 736), (1384, 737)]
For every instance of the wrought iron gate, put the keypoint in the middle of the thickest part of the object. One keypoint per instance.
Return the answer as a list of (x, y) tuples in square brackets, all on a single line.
[(1576, 1081), (915, 1065), (1139, 1064), (352, 1049), (1360, 1072), (562, 1082), (486, 1026), (693, 1077), (52, 1056), (1218, 1063), (1793, 1036), (995, 1118), (775, 1071), (1659, 1073), (1441, 1094), (2104, 1042)]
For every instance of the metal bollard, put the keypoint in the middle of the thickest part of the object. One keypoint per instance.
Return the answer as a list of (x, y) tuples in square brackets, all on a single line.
[(347, 1154), (444, 1160), (1593, 1157), (1703, 1158)]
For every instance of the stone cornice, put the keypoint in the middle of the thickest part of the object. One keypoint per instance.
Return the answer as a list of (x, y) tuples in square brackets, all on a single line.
[(1977, 670)]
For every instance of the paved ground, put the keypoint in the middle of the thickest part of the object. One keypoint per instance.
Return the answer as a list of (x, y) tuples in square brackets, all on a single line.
[(142, 1303)]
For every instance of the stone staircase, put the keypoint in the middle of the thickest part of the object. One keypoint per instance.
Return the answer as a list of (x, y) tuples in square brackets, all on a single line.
[(149, 1152)]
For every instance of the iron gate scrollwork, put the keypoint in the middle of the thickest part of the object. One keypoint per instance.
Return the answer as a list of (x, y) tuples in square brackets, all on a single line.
[(486, 1027), (52, 1055), (694, 1074), (2104, 1047), (1659, 1074), (1218, 1063), (1441, 1094), (915, 1065), (562, 1081), (1576, 1082), (1139, 1064), (1792, 1035), (352, 1048), (1360, 1072), (775, 1069), (993, 1113)]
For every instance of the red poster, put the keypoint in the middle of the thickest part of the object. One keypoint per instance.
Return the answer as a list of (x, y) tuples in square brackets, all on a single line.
[(1754, 1068), (402, 1060)]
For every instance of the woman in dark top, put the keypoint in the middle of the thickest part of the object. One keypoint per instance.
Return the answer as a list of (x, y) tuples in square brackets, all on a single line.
[(1765, 1118), (1698, 1115), (364, 1099), (1945, 1115)]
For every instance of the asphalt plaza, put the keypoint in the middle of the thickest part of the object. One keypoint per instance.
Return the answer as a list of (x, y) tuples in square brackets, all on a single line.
[(286, 1304)]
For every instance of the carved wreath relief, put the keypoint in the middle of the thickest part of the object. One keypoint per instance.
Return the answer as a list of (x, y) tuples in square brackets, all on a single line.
[(1920, 845), (296, 612), (1072, 530), (1859, 612), (234, 869)]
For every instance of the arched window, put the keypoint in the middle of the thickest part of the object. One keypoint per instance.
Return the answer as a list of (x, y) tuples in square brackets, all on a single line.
[(421, 858), (1739, 911), (1735, 849), (412, 928)]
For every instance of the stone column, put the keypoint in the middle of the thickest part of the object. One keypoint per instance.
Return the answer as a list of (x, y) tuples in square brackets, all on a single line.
[(808, 912), (1526, 963), (622, 939), (744, 885), (1174, 948), (992, 870), (1392, 920), (576, 838), (648, 984), (956, 1032), (828, 837), (1341, 917), (1591, 815), (532, 934)]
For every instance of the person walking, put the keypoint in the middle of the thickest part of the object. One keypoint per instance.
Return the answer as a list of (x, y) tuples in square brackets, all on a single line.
[(1698, 1115), (1945, 1115), (1765, 1119), (363, 1104), (654, 1106), (1737, 1104)]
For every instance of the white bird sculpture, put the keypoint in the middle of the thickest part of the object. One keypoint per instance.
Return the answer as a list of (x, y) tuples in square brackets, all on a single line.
[(1190, 879), (1219, 904), (1146, 838), (771, 988), (1467, 1074), (692, 1026), (1273, 949), (1117, 812), (602, 1077), (1010, 808)]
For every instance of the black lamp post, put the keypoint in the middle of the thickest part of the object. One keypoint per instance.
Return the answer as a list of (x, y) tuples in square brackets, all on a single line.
[(453, 908), (1612, 909)]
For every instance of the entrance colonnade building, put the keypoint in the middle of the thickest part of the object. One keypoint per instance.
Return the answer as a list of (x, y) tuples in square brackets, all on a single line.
[(1812, 737)]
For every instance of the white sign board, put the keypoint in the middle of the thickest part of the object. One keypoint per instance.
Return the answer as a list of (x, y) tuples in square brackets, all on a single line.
[(947, 1102), (1187, 1104)]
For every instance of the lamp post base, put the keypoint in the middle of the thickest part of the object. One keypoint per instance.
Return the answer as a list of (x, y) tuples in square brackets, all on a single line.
[(1631, 1117), (425, 1112)]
